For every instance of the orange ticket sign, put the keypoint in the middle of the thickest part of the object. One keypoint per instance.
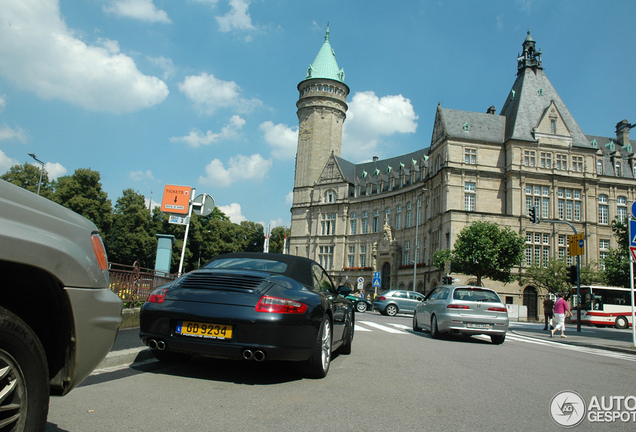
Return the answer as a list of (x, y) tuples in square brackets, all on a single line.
[(176, 199)]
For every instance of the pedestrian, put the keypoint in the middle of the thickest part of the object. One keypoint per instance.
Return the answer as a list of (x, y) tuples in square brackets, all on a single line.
[(548, 312), (561, 308)]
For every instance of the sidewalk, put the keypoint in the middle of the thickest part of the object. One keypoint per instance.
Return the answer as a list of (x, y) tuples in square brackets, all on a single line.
[(610, 339)]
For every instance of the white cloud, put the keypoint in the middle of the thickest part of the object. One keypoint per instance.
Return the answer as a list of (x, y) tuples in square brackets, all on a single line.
[(233, 211), (239, 168), (6, 162), (209, 93), (166, 64), (141, 175), (8, 133), (237, 18), (289, 198), (3, 102), (54, 170), (282, 138), (370, 118), (210, 2), (40, 54), (143, 10), (273, 223), (196, 138)]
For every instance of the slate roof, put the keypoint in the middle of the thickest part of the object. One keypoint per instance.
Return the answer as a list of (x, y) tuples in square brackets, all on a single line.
[(473, 126), (353, 171), (531, 95), (604, 145)]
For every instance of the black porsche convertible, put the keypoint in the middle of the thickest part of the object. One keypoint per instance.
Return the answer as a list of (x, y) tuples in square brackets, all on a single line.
[(251, 306)]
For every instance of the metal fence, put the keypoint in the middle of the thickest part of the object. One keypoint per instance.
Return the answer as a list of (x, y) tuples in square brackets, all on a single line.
[(133, 284)]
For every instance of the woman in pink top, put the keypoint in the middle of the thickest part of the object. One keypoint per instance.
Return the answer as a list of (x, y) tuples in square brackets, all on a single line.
[(560, 307)]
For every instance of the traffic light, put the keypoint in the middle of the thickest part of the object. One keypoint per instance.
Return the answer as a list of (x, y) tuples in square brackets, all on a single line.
[(571, 271), (447, 280), (534, 215)]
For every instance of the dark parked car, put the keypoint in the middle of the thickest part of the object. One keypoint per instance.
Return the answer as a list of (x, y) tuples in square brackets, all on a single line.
[(464, 309), (251, 306), (361, 304), (397, 301), (58, 318)]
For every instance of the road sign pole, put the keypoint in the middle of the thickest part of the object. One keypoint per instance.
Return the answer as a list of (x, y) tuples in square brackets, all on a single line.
[(185, 237), (631, 278)]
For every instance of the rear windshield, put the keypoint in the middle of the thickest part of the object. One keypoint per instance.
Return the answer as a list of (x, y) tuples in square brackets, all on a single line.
[(248, 264), (476, 294)]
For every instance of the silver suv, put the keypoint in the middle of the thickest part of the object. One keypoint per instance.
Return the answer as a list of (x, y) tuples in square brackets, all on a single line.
[(58, 318)]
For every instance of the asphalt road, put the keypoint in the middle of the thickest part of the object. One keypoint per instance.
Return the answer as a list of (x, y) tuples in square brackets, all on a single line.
[(394, 380)]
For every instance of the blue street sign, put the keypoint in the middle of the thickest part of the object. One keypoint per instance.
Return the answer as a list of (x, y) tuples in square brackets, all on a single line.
[(377, 283), (632, 233), (376, 275), (360, 280), (634, 209)]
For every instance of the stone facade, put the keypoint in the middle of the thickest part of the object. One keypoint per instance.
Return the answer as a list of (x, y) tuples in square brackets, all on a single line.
[(383, 215)]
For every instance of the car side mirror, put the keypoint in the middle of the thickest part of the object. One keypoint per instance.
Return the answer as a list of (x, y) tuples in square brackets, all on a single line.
[(344, 290)]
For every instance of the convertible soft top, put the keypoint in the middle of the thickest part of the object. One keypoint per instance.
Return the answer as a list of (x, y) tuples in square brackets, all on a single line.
[(298, 268)]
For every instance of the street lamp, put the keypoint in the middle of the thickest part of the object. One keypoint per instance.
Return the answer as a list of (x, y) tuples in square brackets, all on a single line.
[(41, 170), (417, 222)]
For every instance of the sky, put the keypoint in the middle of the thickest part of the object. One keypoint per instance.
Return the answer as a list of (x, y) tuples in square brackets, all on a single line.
[(203, 93)]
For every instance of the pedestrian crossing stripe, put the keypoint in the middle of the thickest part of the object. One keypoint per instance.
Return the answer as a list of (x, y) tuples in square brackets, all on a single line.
[(382, 327)]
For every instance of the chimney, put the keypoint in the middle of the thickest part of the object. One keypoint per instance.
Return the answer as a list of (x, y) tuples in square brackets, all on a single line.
[(375, 158), (491, 110), (622, 132)]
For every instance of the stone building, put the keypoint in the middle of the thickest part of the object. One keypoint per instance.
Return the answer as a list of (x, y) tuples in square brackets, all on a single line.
[(385, 215)]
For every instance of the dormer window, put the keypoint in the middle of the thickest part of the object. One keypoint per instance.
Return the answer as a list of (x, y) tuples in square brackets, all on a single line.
[(330, 196), (599, 167), (553, 126), (619, 171)]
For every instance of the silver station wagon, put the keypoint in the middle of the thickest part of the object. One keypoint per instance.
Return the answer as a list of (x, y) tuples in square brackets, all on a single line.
[(463, 309)]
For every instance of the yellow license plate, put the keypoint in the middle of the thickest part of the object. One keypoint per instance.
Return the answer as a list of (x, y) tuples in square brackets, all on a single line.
[(204, 330)]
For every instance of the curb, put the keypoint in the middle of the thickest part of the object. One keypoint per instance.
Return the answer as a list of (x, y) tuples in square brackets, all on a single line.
[(125, 357)]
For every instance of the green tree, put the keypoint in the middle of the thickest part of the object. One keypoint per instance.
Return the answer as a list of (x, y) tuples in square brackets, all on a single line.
[(551, 276), (82, 192), (484, 250), (208, 237), (277, 239), (131, 237), (615, 270), (27, 176)]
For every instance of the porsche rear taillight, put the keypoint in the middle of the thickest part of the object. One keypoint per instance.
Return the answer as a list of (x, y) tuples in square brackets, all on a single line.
[(158, 295), (280, 305), (381, 298)]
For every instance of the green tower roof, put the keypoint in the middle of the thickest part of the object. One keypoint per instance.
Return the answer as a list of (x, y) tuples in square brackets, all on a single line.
[(325, 65)]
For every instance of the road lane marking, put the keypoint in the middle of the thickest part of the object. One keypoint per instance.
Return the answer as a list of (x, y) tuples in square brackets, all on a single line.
[(382, 327), (593, 351), (401, 326)]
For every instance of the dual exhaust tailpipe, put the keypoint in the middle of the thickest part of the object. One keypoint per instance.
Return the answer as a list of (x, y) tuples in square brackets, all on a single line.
[(157, 344), (257, 355)]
